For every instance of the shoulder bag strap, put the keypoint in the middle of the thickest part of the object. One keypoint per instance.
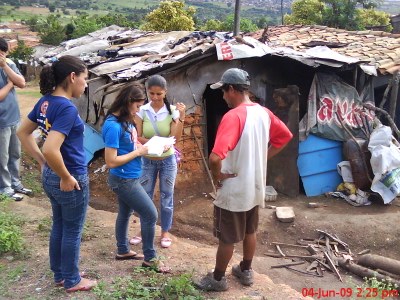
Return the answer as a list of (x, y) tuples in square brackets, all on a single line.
[(150, 116)]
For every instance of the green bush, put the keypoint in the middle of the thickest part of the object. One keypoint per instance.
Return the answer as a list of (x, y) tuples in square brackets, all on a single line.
[(11, 240), (148, 285), (375, 289)]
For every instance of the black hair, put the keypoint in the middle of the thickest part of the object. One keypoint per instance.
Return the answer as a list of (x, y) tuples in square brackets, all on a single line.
[(158, 80), (3, 45), (130, 93), (54, 75), (236, 87)]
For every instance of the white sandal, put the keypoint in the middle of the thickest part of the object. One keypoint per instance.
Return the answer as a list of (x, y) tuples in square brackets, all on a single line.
[(166, 242), (135, 240)]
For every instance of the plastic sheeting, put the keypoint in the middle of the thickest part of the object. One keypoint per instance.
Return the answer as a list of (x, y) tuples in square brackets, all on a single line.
[(333, 103), (385, 163)]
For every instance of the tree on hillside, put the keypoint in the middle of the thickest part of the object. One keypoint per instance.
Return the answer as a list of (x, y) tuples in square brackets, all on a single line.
[(340, 14), (169, 16), (84, 25), (51, 31), (246, 25), (52, 8), (212, 24), (336, 13), (305, 12), (21, 52), (372, 17), (69, 30), (116, 19), (263, 22), (32, 22)]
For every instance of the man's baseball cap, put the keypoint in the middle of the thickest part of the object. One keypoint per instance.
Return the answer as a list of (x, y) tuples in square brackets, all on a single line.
[(232, 76)]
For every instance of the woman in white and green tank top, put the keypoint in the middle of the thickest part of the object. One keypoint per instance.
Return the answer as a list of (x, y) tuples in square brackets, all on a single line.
[(160, 118)]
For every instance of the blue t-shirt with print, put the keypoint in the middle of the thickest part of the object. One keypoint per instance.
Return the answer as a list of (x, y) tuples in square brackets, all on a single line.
[(125, 141), (60, 114), (9, 109)]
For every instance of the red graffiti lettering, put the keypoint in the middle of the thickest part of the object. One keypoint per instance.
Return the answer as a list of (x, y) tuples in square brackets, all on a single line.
[(324, 113), (227, 56), (346, 111), (226, 51), (341, 112)]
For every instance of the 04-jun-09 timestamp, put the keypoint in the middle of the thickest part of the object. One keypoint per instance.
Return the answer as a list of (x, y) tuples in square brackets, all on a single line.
[(343, 293)]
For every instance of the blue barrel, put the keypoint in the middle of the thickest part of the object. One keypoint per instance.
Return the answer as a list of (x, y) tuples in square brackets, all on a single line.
[(317, 164)]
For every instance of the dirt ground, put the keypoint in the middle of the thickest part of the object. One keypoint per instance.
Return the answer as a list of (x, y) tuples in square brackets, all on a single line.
[(372, 227)]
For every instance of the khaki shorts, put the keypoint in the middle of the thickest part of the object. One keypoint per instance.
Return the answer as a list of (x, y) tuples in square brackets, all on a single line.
[(230, 227)]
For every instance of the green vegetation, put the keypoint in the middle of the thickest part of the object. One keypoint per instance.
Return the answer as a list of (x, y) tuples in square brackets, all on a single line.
[(342, 14), (170, 15), (15, 274), (305, 12), (10, 274), (375, 289), (22, 51), (34, 94), (32, 179), (149, 285), (372, 17), (246, 25), (60, 20), (44, 226), (11, 240)]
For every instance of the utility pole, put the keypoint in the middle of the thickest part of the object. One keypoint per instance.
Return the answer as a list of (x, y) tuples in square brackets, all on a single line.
[(236, 25)]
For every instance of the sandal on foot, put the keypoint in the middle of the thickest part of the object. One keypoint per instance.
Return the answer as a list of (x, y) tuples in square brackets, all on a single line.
[(156, 266), (166, 242), (61, 283), (135, 240), (83, 285), (130, 255)]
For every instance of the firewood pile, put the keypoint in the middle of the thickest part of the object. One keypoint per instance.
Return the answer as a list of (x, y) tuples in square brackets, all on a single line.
[(328, 253)]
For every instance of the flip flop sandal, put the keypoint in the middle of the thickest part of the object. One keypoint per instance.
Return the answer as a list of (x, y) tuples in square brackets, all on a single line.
[(133, 255), (135, 240), (61, 283), (166, 242), (157, 267), (86, 287)]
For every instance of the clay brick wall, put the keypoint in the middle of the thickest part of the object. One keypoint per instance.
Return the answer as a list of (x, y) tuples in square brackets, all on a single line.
[(191, 155)]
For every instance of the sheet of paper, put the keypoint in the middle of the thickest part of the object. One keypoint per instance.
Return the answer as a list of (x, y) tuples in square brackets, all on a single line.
[(157, 144)]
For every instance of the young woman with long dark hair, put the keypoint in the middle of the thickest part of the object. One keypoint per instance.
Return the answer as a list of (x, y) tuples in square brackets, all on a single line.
[(62, 160)]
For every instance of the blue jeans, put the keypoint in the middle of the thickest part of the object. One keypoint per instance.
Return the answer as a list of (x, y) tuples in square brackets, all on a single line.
[(132, 197), (10, 149), (166, 169), (69, 212)]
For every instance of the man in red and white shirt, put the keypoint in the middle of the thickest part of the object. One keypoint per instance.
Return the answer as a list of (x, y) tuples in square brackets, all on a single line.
[(238, 164)]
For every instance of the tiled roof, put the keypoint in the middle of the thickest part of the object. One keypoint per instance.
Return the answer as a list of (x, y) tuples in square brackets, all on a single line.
[(377, 48)]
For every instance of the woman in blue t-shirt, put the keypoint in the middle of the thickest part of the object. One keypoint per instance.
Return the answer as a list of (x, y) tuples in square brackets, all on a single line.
[(62, 160), (123, 156)]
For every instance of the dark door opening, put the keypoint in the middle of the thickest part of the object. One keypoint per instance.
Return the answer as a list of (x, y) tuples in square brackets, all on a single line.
[(214, 108)]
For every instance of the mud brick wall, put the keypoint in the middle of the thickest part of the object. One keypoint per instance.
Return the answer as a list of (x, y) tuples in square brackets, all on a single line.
[(191, 156)]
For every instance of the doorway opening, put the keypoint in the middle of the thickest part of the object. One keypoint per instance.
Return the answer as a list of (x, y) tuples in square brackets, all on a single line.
[(214, 109)]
